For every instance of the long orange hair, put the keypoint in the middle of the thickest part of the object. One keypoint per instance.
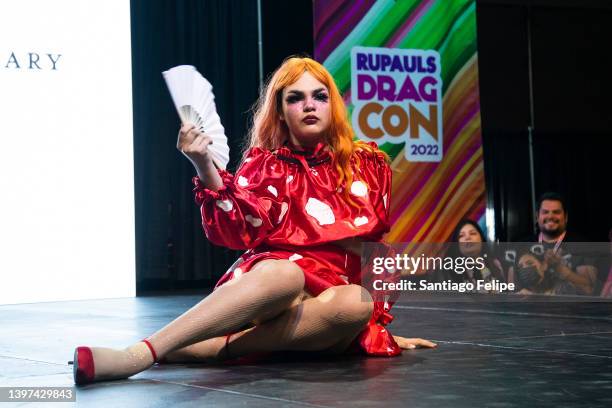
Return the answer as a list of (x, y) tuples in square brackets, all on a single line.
[(269, 132)]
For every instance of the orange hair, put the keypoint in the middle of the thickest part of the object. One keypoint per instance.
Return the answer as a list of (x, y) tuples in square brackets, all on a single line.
[(270, 133)]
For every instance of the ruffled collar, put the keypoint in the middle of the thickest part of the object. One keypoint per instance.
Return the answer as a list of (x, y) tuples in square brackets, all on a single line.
[(317, 155)]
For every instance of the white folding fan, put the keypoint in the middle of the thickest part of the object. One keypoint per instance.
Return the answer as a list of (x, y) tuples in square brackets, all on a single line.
[(195, 103)]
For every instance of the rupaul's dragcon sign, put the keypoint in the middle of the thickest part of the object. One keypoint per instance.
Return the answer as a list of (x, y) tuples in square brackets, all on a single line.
[(397, 98), (408, 72)]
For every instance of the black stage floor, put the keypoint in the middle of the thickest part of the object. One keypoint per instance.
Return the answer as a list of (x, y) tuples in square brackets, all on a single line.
[(515, 354)]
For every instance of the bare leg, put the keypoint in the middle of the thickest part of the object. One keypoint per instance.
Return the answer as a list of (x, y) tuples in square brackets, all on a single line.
[(266, 291), (328, 322)]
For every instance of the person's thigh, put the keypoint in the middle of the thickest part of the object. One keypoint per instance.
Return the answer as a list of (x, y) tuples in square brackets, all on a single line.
[(285, 275)]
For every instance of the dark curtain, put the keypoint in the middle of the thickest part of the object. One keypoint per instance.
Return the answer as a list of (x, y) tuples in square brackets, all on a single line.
[(504, 107), (219, 37), (573, 140)]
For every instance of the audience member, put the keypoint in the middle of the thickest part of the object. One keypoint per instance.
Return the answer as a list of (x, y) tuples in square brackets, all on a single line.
[(534, 274), (565, 259), (470, 242)]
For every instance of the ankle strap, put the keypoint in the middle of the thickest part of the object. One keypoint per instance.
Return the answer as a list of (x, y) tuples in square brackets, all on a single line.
[(227, 340), (145, 341)]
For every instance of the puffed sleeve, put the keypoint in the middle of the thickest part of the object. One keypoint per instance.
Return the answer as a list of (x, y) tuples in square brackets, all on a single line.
[(248, 206), (383, 200), (377, 173)]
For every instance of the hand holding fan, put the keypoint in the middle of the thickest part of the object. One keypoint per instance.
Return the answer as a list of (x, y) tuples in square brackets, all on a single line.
[(195, 103)]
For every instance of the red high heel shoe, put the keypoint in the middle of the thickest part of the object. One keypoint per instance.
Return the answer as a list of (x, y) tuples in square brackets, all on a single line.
[(83, 369)]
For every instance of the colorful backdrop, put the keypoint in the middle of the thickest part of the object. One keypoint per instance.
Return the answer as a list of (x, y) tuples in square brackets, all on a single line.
[(431, 195)]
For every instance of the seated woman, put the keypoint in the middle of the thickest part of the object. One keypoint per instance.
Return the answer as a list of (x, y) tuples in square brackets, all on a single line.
[(534, 274), (469, 241), (303, 198)]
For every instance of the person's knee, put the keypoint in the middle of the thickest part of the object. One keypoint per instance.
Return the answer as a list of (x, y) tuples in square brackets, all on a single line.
[(352, 305)]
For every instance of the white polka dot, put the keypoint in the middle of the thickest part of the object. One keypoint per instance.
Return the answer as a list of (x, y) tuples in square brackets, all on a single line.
[(237, 273), (248, 159), (359, 221), (320, 211), (242, 181), (284, 208), (385, 200), (314, 172), (254, 221), (359, 188), (295, 257), (289, 178), (344, 278), (340, 189), (225, 205), (273, 190)]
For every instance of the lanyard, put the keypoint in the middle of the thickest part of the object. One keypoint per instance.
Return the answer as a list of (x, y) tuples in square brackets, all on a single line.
[(557, 242)]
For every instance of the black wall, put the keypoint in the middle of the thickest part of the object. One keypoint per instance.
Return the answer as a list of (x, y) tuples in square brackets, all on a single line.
[(287, 30)]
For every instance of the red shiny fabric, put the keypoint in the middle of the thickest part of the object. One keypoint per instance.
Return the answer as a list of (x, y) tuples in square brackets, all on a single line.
[(286, 204)]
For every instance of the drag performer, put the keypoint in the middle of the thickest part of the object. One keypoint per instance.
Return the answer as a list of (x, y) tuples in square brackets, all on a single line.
[(303, 199)]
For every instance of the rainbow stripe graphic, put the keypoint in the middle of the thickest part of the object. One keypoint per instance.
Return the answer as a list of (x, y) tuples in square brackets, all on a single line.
[(428, 199)]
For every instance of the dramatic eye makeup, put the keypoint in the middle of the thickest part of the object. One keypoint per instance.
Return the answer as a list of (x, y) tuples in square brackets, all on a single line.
[(319, 95), (294, 96)]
